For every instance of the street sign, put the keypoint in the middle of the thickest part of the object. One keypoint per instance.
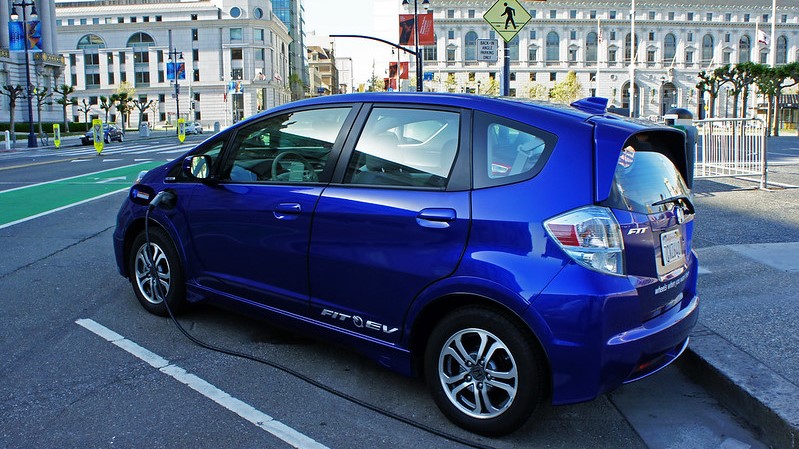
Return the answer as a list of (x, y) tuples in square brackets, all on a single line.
[(507, 18), (181, 129), (487, 50), (97, 135)]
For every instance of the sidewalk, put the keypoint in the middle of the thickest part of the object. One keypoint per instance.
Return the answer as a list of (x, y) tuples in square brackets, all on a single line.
[(745, 349)]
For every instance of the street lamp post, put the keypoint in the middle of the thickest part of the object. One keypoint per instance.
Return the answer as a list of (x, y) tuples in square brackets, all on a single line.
[(419, 72), (29, 89), (177, 57)]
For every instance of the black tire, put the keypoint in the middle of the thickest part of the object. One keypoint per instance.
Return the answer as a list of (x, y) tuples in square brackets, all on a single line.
[(121, 138), (170, 273), (446, 368), (108, 138)]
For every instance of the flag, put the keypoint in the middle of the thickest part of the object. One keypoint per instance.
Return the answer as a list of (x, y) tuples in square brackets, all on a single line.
[(598, 31), (762, 37), (277, 77)]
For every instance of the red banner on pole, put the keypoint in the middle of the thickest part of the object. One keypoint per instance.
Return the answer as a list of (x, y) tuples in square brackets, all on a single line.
[(426, 33), (403, 70)]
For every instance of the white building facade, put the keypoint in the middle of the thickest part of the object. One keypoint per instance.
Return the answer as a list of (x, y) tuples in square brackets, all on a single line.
[(675, 40), (235, 54)]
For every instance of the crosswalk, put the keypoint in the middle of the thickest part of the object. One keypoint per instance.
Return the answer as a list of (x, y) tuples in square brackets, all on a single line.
[(147, 151)]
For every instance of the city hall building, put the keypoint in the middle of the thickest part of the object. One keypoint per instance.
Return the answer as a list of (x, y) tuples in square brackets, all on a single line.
[(674, 41), (235, 56)]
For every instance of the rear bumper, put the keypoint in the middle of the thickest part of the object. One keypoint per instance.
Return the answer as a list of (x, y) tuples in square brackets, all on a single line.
[(595, 340)]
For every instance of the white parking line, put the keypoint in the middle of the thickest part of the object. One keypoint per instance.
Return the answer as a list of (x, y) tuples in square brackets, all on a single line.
[(244, 410)]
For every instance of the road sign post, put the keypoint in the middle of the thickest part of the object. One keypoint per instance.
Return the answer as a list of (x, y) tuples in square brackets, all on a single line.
[(507, 18)]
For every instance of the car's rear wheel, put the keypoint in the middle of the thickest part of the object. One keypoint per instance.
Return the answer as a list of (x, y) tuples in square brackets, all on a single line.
[(121, 138), (107, 138), (484, 371), (168, 283)]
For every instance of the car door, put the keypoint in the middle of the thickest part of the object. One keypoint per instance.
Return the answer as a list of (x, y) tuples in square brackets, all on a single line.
[(251, 227), (394, 223)]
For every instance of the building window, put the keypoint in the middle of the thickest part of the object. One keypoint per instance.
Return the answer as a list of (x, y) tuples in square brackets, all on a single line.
[(471, 14), (553, 76), (450, 14), (572, 55), (513, 76), (194, 17), (727, 38), (669, 48), (690, 37), (689, 58), (96, 21), (158, 18), (573, 35), (765, 18), (591, 42), (707, 49), (709, 17), (120, 20), (572, 13), (650, 57), (133, 19), (553, 48), (532, 54), (533, 13), (612, 57), (197, 75), (726, 57), (651, 15), (613, 35), (92, 80), (592, 14), (109, 58), (553, 13), (690, 16), (238, 74), (142, 79), (236, 34), (746, 17), (651, 36), (450, 55), (533, 34), (195, 34), (671, 17), (145, 19), (236, 54), (451, 34), (470, 46), (161, 77), (159, 56), (728, 17), (744, 49), (259, 54), (612, 15), (259, 34), (195, 55)]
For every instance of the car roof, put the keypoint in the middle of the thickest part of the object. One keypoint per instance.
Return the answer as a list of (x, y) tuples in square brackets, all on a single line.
[(498, 105)]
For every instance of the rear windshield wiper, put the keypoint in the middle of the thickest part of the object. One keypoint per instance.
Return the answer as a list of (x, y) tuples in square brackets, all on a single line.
[(678, 200)]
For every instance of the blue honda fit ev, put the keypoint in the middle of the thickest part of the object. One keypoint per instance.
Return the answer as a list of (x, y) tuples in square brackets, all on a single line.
[(510, 252)]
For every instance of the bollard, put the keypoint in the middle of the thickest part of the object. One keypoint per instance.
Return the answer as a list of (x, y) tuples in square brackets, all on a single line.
[(8, 140)]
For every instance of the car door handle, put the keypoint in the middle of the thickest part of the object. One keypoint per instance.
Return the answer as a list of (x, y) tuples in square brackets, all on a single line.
[(436, 218), (285, 211)]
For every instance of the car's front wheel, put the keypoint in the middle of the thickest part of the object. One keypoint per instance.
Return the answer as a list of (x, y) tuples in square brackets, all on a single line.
[(484, 371), (168, 281), (121, 138)]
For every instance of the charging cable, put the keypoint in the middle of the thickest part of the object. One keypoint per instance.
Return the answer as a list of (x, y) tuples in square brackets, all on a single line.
[(166, 196)]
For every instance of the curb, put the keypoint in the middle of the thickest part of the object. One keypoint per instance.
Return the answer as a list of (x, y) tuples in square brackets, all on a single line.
[(768, 401)]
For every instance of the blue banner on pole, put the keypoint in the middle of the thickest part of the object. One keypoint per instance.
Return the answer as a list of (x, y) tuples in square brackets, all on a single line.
[(175, 70), (17, 35)]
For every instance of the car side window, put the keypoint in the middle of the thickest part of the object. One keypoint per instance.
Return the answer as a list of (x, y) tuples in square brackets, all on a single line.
[(288, 148), (405, 147), (213, 150), (507, 151)]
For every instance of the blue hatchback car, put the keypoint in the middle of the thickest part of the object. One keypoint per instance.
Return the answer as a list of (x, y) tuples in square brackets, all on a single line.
[(511, 252)]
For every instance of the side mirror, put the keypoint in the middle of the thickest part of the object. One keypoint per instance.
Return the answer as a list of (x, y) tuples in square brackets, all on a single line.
[(197, 167)]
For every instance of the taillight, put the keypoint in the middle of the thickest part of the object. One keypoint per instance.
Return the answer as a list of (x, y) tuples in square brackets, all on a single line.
[(591, 236)]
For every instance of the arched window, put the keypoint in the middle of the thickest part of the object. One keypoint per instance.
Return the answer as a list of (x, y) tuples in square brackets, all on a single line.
[(669, 48), (140, 38), (707, 49), (470, 46), (628, 49), (91, 41), (782, 50), (744, 49), (513, 47), (591, 43), (553, 48)]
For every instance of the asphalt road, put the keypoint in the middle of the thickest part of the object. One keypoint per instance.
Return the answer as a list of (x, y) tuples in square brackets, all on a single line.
[(64, 385)]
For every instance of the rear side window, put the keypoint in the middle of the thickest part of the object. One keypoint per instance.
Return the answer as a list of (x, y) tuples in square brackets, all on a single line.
[(644, 177), (506, 151), (406, 148)]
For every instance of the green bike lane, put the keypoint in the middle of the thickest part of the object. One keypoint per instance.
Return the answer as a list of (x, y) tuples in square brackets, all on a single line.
[(28, 202)]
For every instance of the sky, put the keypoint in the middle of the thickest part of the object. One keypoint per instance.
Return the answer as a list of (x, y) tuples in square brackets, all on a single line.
[(377, 18)]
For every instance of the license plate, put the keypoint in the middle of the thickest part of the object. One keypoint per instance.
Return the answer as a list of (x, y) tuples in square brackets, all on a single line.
[(671, 247)]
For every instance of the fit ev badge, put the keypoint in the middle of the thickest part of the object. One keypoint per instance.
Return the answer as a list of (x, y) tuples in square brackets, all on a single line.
[(359, 322)]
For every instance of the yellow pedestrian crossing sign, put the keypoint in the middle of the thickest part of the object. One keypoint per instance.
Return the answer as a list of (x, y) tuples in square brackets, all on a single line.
[(507, 17)]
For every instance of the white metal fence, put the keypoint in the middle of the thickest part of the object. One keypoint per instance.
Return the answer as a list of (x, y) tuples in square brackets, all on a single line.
[(731, 147)]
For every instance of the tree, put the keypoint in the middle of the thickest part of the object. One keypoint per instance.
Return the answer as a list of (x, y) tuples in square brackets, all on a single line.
[(296, 86), (42, 96), (106, 105), (451, 83), (64, 91), (142, 105), (12, 92), (492, 88), (85, 108), (567, 90), (538, 91), (122, 98), (710, 83)]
